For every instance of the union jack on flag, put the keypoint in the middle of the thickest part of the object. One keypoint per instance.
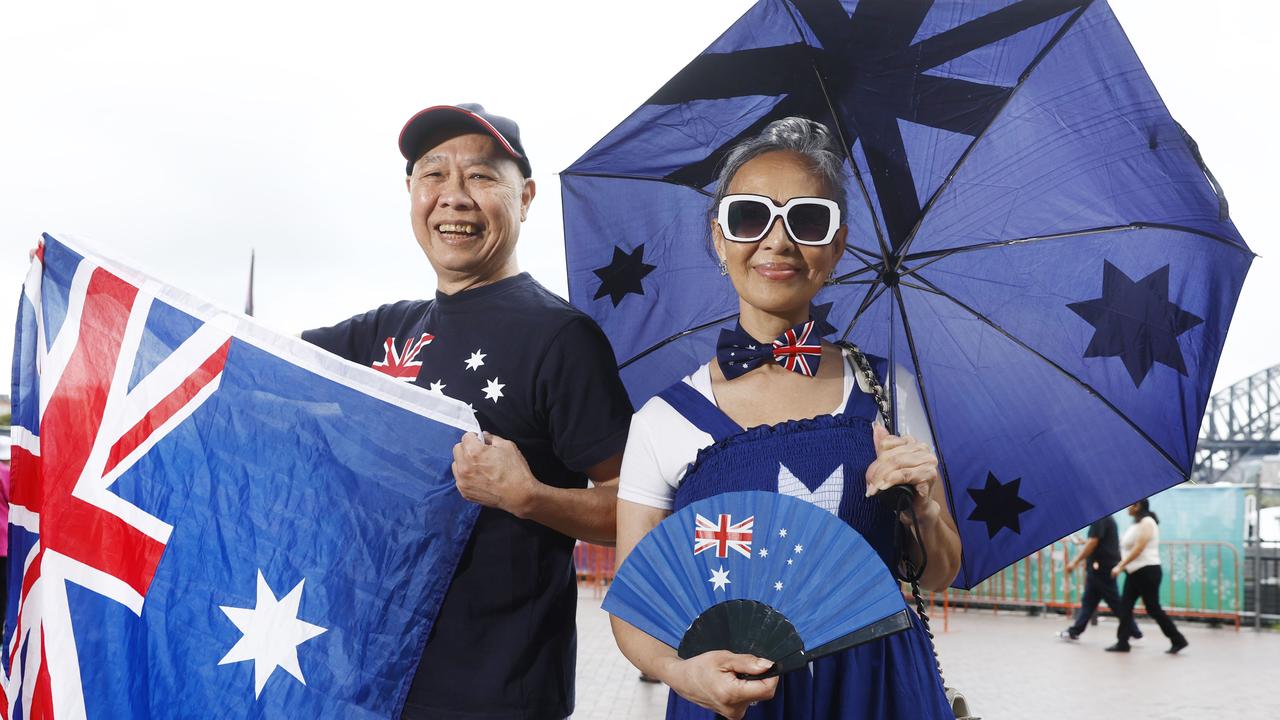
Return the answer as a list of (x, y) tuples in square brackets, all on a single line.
[(794, 350), (723, 535), (198, 502), (403, 364)]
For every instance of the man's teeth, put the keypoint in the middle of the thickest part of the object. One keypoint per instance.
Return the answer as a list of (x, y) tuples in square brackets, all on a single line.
[(463, 228)]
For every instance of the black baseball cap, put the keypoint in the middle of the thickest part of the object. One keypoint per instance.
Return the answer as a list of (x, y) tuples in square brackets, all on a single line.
[(438, 121)]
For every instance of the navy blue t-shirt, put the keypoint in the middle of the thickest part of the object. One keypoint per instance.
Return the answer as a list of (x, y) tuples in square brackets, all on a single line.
[(1107, 554), (539, 373)]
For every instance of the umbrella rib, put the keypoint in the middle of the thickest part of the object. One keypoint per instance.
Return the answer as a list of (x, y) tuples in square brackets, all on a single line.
[(1063, 371), (1035, 62), (673, 338), (624, 176), (936, 255), (928, 415), (867, 301), (844, 143)]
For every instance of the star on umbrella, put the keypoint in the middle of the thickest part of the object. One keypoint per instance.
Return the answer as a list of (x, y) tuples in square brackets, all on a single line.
[(476, 360), (1136, 322), (623, 274), (719, 578), (493, 390), (998, 505), (876, 73), (272, 633)]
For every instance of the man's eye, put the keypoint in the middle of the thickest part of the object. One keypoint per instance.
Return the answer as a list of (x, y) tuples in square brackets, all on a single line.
[(480, 176)]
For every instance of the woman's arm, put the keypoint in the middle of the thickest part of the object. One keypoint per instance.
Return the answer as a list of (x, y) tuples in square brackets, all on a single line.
[(906, 461), (1139, 544), (711, 679)]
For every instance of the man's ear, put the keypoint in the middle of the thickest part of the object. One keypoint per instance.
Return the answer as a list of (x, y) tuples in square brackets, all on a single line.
[(526, 197), (407, 180)]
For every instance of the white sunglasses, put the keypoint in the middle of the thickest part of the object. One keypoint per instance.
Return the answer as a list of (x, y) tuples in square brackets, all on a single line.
[(808, 220)]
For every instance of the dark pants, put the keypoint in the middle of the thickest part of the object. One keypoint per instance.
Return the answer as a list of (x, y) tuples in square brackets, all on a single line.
[(1145, 583), (1098, 586)]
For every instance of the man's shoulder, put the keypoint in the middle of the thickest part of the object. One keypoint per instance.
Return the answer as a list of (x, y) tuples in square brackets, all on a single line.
[(539, 311)]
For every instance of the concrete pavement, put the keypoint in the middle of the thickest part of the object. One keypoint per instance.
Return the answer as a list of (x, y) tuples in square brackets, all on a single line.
[(1013, 667)]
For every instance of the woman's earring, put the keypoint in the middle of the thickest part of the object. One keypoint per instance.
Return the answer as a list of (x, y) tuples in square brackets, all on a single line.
[(831, 279), (724, 269)]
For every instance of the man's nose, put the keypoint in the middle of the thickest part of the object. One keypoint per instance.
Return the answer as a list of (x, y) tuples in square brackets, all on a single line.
[(454, 194)]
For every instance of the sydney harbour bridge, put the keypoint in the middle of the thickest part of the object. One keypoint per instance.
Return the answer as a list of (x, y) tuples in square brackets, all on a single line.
[(1241, 422)]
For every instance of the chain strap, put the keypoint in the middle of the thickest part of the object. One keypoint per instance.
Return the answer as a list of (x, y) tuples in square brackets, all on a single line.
[(858, 361)]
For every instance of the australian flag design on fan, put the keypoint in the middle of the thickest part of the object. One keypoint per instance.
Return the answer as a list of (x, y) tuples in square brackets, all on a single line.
[(212, 520), (788, 581)]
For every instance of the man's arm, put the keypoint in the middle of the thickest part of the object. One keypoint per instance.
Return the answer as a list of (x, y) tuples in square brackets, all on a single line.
[(1089, 546), (496, 475)]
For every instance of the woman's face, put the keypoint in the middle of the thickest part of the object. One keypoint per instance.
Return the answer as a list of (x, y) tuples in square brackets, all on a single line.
[(1133, 510), (776, 275)]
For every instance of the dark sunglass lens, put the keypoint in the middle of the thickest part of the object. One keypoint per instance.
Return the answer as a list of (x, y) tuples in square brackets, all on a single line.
[(747, 218), (809, 221)]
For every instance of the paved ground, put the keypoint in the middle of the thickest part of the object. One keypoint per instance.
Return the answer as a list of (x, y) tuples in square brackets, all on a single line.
[(1012, 667)]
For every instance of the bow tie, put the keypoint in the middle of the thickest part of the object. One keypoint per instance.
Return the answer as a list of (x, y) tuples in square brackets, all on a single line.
[(798, 350)]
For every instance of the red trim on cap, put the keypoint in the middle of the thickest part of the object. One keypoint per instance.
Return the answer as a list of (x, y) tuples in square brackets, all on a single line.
[(485, 123)]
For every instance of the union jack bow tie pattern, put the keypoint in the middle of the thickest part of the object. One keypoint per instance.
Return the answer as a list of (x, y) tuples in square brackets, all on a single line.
[(212, 519), (799, 349)]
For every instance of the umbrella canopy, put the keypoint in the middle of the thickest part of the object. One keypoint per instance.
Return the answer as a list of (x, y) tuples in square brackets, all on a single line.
[(1030, 234)]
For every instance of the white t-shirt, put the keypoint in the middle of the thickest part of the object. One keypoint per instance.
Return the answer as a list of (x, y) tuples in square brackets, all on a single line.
[(1150, 554), (662, 443)]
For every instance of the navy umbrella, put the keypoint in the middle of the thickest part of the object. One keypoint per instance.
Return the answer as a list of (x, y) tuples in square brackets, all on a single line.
[(1030, 233)]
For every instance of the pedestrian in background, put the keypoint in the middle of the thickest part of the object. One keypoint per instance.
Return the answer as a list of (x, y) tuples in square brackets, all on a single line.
[(1101, 553), (1141, 547)]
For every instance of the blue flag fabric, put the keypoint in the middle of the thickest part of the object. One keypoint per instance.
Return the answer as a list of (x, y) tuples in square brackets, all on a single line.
[(1031, 236), (212, 520)]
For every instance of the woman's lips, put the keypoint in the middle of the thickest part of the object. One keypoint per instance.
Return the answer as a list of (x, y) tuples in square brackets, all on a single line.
[(776, 271)]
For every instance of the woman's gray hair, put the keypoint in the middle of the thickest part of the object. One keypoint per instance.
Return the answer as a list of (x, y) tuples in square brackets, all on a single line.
[(808, 138)]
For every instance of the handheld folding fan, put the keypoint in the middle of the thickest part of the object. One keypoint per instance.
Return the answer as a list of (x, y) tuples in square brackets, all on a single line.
[(759, 573)]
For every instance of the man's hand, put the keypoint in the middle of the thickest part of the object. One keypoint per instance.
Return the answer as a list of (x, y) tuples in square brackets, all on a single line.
[(494, 474), (711, 680)]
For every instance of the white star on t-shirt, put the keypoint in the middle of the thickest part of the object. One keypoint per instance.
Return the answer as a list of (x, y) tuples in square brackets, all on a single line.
[(437, 387), (272, 633), (493, 390), (719, 578), (476, 360)]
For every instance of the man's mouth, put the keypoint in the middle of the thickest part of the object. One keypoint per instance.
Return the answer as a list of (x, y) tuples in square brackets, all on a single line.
[(458, 230)]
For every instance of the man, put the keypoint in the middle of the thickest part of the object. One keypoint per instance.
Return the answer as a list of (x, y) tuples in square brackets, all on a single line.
[(1102, 552), (543, 382)]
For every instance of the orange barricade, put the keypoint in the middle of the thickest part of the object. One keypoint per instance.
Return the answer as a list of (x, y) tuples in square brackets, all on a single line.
[(595, 566), (1201, 580)]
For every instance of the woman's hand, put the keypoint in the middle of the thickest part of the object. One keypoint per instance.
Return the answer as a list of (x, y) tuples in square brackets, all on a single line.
[(904, 461), (711, 680)]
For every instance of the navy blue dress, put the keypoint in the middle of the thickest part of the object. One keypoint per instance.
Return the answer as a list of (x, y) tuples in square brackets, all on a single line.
[(825, 460)]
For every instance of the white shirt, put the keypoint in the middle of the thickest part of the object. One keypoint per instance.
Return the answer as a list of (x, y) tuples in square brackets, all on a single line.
[(662, 443), (1150, 554)]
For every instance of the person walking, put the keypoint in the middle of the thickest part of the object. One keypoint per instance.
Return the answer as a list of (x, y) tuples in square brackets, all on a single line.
[(1100, 554), (1141, 547)]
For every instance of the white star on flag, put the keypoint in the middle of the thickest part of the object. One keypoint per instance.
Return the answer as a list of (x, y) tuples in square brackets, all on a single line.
[(764, 552), (777, 585), (493, 390), (790, 561), (272, 634), (437, 387), (799, 549), (476, 360), (719, 578), (782, 532)]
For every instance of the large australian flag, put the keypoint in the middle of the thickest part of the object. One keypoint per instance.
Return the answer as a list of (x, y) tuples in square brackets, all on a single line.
[(212, 520)]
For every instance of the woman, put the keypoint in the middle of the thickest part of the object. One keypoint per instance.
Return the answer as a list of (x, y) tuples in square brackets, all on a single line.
[(1140, 547), (778, 234)]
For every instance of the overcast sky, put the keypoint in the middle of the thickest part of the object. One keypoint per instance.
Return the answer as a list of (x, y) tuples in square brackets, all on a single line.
[(177, 136)]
